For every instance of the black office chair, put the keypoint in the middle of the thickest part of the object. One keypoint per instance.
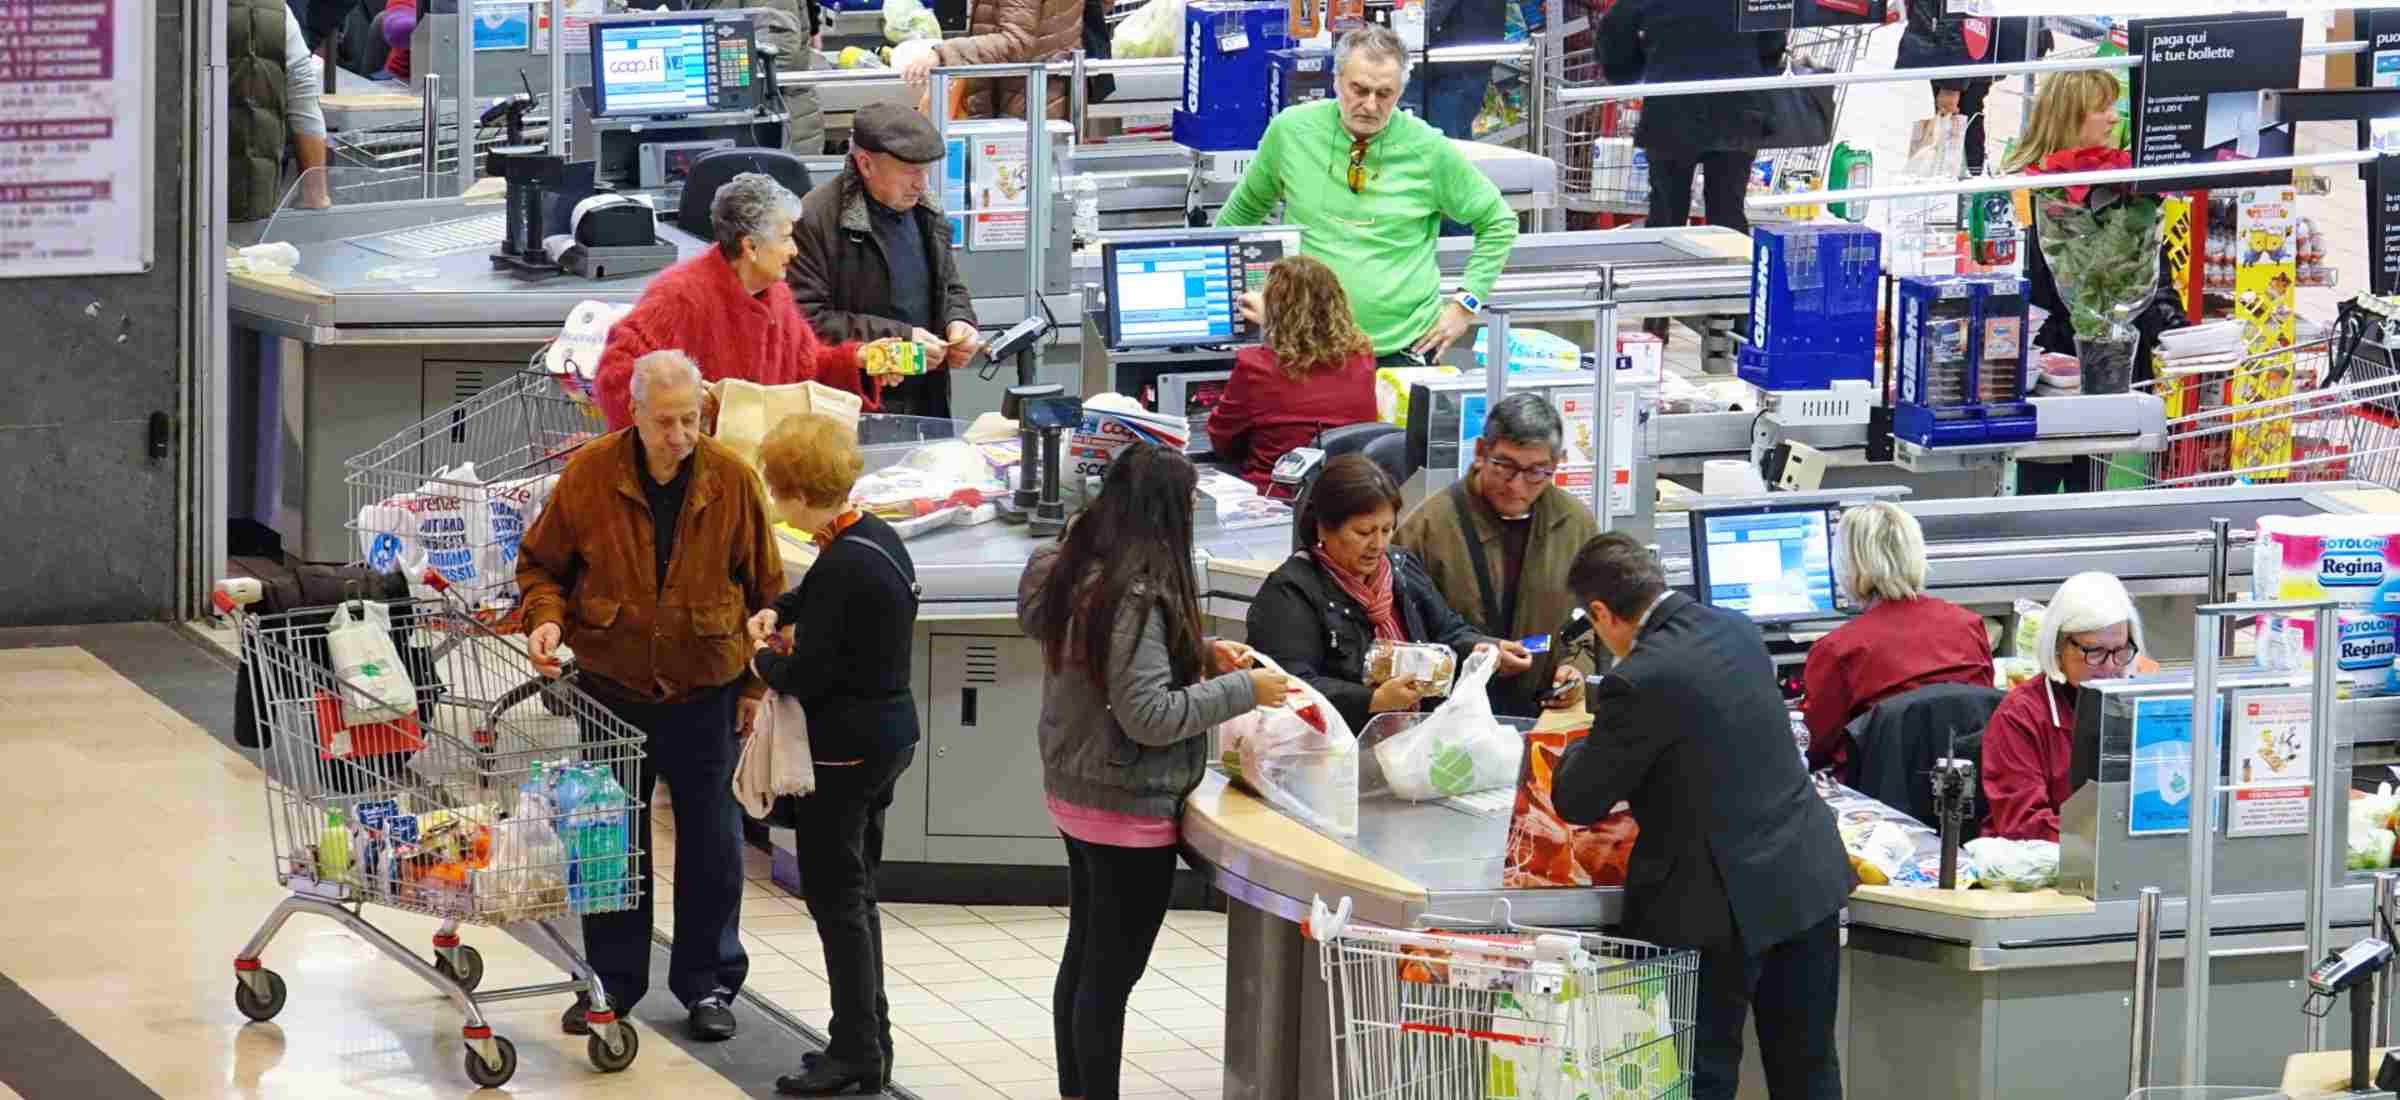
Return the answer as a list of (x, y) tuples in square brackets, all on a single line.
[(1893, 745), (1390, 451), (713, 171), (1352, 438)]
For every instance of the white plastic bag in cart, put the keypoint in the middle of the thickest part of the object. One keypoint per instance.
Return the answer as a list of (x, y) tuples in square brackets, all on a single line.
[(1154, 30), (1460, 748), (775, 759), (1299, 755), (437, 526), (527, 879), (374, 683)]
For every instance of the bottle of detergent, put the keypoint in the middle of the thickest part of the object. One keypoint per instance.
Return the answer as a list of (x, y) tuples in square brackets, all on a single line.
[(1852, 169), (333, 850)]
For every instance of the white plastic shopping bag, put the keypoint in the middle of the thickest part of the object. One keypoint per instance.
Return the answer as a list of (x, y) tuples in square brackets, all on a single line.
[(775, 760), (1298, 755), (1460, 748), (374, 684)]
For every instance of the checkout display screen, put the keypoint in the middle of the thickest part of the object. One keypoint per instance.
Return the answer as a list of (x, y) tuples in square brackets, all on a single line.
[(656, 68), (1183, 293), (1773, 564)]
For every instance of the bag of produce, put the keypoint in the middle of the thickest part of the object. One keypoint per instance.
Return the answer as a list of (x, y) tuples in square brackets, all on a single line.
[(2018, 865), (1460, 748), (1299, 755), (1888, 847), (1154, 30), (1433, 665), (2371, 850)]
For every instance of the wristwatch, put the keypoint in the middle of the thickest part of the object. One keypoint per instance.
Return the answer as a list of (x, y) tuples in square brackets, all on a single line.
[(1467, 300)]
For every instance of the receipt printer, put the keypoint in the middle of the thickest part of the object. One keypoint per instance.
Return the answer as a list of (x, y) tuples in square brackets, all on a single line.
[(610, 236)]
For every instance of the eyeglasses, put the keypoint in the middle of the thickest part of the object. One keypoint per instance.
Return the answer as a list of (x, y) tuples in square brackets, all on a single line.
[(2100, 655), (1358, 166), (1531, 475)]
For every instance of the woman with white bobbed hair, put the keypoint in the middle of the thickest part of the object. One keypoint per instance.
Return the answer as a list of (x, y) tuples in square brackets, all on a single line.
[(2090, 631), (1904, 640)]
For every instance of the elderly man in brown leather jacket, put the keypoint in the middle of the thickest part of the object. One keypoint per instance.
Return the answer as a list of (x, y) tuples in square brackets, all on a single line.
[(652, 554)]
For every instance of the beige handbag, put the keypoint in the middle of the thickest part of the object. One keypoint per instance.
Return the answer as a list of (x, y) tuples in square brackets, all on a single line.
[(747, 411), (775, 760)]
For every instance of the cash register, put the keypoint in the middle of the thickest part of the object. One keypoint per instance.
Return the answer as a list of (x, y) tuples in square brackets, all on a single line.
[(1167, 306), (667, 89), (1773, 562)]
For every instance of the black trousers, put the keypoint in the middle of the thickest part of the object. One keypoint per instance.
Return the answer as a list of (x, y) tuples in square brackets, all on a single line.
[(1795, 986), (2072, 475), (692, 747), (1117, 903), (841, 826), (1727, 185)]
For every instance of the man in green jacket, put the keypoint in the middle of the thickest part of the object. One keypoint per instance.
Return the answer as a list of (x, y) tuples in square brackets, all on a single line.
[(1369, 188), (1510, 580)]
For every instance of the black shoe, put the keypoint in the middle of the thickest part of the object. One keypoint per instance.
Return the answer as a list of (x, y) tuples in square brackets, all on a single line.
[(572, 1021), (826, 1077), (712, 1018), (809, 1060)]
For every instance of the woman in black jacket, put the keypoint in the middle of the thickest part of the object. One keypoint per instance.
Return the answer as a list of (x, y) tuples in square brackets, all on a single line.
[(1935, 39), (1655, 41), (839, 645), (1319, 613)]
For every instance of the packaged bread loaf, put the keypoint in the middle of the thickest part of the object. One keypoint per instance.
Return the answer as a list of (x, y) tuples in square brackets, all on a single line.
[(1435, 666)]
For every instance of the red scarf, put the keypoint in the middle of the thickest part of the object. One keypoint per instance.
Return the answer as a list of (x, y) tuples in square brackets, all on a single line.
[(840, 524), (1374, 594)]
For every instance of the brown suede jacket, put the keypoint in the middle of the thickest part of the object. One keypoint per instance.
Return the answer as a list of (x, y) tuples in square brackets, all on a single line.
[(590, 564)]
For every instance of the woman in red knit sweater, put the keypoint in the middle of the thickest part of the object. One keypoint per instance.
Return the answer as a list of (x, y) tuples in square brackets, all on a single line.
[(1317, 371), (730, 310)]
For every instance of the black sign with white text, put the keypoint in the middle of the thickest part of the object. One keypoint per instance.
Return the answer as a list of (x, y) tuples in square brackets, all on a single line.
[(2195, 97)]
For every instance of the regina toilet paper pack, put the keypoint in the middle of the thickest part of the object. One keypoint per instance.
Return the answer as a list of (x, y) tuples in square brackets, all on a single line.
[(2364, 646), (2351, 559)]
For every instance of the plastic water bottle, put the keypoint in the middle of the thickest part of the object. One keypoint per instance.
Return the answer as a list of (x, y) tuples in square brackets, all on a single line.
[(1087, 208)]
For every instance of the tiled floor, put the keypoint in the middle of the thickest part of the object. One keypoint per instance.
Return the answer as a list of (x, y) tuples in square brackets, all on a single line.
[(970, 992)]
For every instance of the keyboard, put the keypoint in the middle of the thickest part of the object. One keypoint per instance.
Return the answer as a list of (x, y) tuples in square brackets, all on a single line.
[(441, 238)]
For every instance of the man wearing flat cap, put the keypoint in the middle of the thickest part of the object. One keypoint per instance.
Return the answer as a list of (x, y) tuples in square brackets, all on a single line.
[(874, 256)]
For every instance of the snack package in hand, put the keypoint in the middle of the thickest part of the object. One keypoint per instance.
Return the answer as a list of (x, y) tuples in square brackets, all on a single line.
[(893, 358), (1435, 666)]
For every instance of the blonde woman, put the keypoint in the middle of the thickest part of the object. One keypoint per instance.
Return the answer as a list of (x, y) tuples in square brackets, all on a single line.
[(1904, 640), (839, 644), (1316, 371)]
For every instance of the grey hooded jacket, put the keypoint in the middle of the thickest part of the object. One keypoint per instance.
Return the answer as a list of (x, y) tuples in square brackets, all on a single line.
[(1141, 746)]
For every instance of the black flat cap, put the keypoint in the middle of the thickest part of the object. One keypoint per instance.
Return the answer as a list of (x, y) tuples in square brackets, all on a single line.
[(896, 130)]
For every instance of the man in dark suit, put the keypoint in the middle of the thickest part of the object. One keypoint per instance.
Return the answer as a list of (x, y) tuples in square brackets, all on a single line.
[(1738, 857)]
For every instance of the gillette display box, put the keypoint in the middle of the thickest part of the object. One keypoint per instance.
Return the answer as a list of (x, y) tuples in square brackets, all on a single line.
[(1960, 346), (1301, 76), (1229, 49), (1813, 300)]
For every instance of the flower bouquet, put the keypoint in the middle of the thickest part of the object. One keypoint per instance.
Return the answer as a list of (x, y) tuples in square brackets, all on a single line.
[(2102, 243)]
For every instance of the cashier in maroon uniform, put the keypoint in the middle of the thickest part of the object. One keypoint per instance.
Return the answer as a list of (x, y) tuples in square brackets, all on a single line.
[(1905, 640), (2090, 631)]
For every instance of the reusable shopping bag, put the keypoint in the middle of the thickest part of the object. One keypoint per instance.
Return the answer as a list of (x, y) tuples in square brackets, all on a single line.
[(374, 685), (747, 411), (775, 759), (1460, 748)]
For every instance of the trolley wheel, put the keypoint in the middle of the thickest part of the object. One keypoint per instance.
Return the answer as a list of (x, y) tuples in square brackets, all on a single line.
[(606, 1062), (249, 1002), (492, 1077), (469, 972)]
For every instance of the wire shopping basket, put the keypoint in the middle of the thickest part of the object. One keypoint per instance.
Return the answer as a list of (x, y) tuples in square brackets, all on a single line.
[(1601, 171), (1506, 1013), (482, 797), (2285, 416), (455, 492)]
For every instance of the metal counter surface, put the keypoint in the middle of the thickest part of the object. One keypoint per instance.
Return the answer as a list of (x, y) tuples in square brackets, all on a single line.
[(971, 572), (1455, 856)]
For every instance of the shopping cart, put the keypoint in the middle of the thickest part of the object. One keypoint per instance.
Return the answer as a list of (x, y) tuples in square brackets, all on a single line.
[(1509, 1012), (477, 807), (1600, 171), (455, 492), (2284, 416)]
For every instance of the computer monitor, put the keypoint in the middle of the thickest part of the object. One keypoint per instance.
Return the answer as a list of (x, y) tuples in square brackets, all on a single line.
[(684, 65), (1771, 562), (1182, 292)]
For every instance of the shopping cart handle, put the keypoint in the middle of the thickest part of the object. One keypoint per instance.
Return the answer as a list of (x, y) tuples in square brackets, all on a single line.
[(233, 592), (1325, 925)]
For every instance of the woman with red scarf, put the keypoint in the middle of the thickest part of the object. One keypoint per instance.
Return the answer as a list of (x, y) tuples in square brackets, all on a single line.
[(1326, 606)]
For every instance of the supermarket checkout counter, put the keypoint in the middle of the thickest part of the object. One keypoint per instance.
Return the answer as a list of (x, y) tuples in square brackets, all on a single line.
[(1991, 995), (393, 314)]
